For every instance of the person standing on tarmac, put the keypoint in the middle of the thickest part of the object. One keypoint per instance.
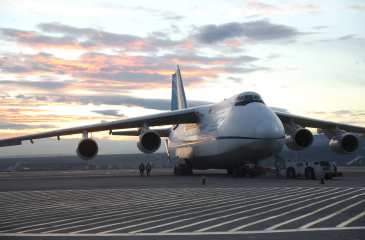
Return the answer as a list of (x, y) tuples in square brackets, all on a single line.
[(277, 165), (141, 169), (148, 168)]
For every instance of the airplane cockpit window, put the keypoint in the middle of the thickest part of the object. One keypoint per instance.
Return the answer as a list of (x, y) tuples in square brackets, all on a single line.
[(248, 98)]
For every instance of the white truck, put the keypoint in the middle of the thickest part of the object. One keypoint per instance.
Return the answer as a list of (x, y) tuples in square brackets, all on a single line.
[(310, 170)]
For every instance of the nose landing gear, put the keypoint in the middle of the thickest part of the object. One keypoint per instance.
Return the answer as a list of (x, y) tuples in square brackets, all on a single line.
[(183, 169)]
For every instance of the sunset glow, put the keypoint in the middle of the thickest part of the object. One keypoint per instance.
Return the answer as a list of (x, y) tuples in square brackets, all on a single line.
[(66, 64)]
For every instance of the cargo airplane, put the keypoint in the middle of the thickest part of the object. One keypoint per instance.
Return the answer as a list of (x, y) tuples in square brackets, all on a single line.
[(225, 135)]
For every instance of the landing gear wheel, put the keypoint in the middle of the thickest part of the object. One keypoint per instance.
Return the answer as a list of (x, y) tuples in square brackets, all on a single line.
[(290, 173), (309, 174), (235, 172), (328, 177), (189, 170)]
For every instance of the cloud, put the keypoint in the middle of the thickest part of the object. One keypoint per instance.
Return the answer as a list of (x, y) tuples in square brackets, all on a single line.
[(236, 80), (347, 37), (275, 56), (256, 31), (174, 18), (356, 6), (260, 5), (315, 112), (4, 95), (40, 98), (23, 97), (341, 112), (320, 27), (15, 126), (109, 113), (87, 39), (192, 58), (39, 85), (125, 100), (126, 76), (267, 9), (100, 72), (338, 113)]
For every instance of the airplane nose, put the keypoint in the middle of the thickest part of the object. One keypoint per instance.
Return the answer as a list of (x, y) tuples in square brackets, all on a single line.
[(269, 142), (268, 129)]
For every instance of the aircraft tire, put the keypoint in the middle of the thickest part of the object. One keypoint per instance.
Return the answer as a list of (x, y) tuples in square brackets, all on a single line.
[(328, 177), (189, 170), (235, 172)]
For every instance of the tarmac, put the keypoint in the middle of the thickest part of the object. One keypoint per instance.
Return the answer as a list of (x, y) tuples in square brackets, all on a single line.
[(114, 203)]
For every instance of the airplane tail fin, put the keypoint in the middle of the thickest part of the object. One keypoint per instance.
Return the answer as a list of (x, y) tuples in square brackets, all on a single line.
[(178, 99)]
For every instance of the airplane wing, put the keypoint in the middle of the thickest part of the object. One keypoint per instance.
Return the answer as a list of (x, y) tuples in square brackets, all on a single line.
[(315, 123), (163, 132), (166, 118)]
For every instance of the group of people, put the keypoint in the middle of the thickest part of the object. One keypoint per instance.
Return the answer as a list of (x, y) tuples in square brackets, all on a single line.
[(142, 168)]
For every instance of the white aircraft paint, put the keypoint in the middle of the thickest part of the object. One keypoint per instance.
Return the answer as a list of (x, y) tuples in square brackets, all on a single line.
[(226, 135)]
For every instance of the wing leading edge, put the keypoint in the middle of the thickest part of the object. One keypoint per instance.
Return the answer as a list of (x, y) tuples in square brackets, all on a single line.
[(319, 124), (167, 118)]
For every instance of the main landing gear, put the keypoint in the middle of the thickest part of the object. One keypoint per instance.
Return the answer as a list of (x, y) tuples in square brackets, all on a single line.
[(183, 169), (243, 171)]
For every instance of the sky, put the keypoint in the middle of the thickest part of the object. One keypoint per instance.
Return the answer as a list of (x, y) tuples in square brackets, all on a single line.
[(73, 63)]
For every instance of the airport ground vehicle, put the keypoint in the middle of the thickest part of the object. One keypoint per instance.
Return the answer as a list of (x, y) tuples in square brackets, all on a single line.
[(310, 170), (288, 169)]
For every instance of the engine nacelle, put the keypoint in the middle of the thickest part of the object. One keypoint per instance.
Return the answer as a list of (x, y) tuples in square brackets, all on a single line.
[(344, 144), (149, 142), (87, 149), (299, 139)]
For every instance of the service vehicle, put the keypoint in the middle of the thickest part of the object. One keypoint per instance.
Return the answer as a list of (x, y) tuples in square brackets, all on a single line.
[(310, 170)]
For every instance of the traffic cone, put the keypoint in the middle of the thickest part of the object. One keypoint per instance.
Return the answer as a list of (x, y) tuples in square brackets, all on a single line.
[(203, 182), (322, 180)]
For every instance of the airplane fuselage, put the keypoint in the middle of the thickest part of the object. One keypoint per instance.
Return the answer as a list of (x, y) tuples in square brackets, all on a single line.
[(227, 135)]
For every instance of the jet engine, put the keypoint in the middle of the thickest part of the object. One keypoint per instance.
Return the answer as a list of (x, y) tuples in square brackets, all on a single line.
[(344, 144), (149, 142), (87, 149), (299, 139)]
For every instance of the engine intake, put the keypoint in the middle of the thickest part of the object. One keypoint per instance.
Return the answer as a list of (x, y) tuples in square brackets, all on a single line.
[(344, 144), (149, 142), (299, 139), (87, 149)]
